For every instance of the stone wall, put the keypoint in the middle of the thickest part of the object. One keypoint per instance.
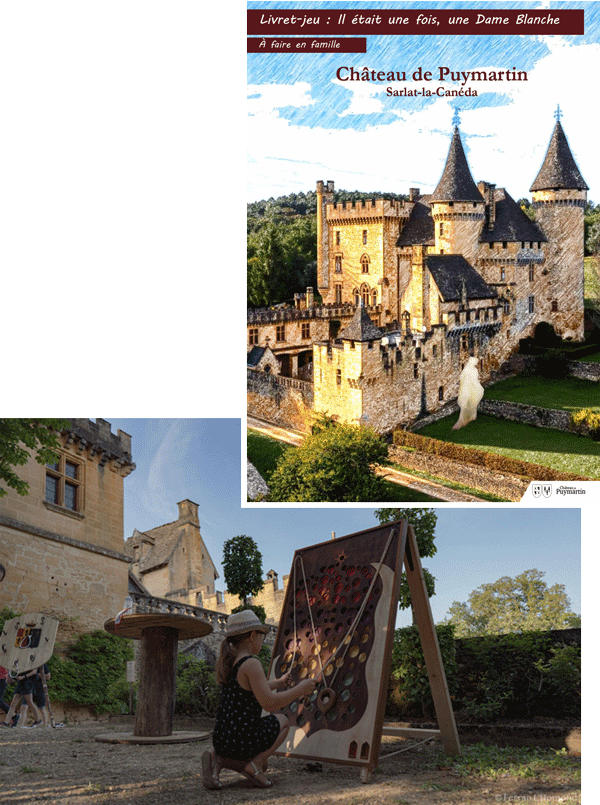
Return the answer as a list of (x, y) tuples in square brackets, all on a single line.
[(64, 555), (284, 401), (528, 414), (509, 487)]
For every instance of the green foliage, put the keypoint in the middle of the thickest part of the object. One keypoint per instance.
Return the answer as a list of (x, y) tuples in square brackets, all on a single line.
[(518, 675), (494, 762), (334, 464), (242, 567), (197, 689), (7, 614), (589, 420), (89, 672), (591, 228), (410, 689), (423, 522), (19, 438), (520, 604), (258, 610)]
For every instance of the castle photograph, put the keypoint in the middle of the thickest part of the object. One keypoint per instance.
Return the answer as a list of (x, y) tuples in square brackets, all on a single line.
[(411, 289)]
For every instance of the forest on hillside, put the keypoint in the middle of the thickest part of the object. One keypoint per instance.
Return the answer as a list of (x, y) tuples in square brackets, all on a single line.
[(282, 242)]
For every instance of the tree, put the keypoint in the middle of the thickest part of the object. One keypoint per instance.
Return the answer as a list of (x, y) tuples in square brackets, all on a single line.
[(521, 604), (423, 522), (333, 464), (242, 567), (20, 436)]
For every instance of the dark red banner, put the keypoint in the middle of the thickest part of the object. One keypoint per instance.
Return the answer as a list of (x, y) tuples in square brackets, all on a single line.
[(455, 21), (307, 44)]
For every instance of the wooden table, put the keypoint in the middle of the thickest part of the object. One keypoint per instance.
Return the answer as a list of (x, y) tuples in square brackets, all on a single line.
[(159, 633)]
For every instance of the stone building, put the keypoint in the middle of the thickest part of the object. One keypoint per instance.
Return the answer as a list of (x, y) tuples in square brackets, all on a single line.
[(172, 562), (411, 289), (62, 544)]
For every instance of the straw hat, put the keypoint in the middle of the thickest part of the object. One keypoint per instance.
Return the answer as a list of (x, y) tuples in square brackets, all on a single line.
[(244, 623)]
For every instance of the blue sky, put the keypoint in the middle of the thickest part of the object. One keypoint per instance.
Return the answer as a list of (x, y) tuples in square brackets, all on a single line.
[(305, 125), (200, 460)]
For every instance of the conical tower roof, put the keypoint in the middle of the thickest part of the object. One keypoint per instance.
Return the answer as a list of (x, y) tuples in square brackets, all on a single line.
[(456, 183), (559, 170), (361, 328)]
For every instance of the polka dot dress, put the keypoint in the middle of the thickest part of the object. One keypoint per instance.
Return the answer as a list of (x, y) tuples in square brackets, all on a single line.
[(240, 733)]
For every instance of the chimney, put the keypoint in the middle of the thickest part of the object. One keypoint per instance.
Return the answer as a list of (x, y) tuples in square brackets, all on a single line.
[(188, 512)]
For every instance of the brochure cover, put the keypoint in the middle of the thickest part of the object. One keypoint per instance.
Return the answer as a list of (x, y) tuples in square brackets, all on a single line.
[(421, 188)]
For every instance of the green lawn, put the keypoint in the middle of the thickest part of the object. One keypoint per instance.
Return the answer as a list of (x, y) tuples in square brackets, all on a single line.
[(564, 452), (568, 394)]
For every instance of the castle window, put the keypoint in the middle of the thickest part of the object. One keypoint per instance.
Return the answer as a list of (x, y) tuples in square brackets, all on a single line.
[(305, 329), (441, 229), (253, 336), (356, 295), (418, 352), (338, 264), (280, 332), (364, 237), (451, 204), (491, 244), (502, 274), (531, 273), (64, 484), (434, 350), (539, 244), (415, 370), (338, 377), (504, 244), (522, 244), (530, 304), (364, 264), (338, 294), (364, 292), (506, 308), (398, 356), (554, 305), (374, 297), (441, 251), (337, 238), (441, 393)]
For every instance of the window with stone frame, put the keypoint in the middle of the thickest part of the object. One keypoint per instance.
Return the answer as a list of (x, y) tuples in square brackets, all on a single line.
[(555, 305), (305, 329), (531, 273), (337, 237), (338, 264), (280, 332), (530, 304), (364, 237), (338, 376), (64, 483), (441, 393), (364, 264), (252, 336), (338, 294)]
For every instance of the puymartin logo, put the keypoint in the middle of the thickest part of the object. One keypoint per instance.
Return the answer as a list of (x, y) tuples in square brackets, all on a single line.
[(541, 490)]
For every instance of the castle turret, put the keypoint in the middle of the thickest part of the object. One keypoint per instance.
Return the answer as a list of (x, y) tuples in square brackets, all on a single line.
[(324, 197), (457, 206), (559, 198)]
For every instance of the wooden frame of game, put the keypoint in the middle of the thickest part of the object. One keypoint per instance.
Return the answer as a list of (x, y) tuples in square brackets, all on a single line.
[(337, 623)]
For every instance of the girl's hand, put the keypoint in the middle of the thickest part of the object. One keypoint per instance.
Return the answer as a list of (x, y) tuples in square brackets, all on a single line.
[(284, 680)]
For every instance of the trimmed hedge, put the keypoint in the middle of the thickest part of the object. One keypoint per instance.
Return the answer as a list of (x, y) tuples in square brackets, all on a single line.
[(479, 458)]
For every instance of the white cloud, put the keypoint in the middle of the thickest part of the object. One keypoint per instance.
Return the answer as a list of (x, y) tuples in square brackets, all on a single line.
[(505, 143)]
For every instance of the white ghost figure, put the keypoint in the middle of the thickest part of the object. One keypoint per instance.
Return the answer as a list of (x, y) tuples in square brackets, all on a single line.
[(470, 392)]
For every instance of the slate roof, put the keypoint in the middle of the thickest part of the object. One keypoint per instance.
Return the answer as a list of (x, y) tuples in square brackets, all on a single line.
[(361, 328), (419, 227), (255, 355), (559, 169), (511, 223), (450, 271), (456, 183)]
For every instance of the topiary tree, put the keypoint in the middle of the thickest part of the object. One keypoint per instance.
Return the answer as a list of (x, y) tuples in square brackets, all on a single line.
[(242, 567)]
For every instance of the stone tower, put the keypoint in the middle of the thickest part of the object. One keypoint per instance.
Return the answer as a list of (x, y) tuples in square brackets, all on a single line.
[(559, 198), (457, 206)]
